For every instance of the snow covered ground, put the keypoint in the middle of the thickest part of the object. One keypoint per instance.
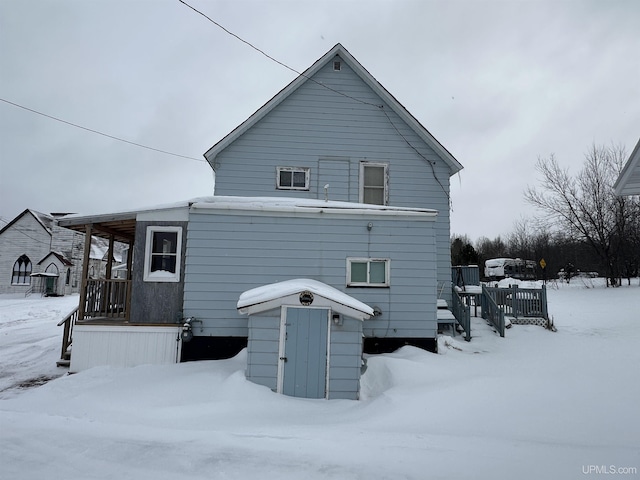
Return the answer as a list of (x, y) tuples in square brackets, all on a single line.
[(532, 405)]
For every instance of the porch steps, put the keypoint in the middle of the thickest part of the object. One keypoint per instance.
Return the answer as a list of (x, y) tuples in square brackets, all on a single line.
[(65, 361), (446, 319)]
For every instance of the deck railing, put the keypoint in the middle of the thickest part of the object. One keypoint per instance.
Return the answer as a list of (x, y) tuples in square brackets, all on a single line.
[(491, 311), (107, 299), (462, 313), (520, 302)]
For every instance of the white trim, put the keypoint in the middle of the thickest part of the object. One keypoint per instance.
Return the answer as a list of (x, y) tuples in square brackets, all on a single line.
[(281, 351), (172, 214), (305, 170), (328, 364), (363, 165), (149, 276), (387, 269)]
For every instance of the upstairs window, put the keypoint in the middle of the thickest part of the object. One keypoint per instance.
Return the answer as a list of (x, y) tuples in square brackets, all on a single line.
[(292, 178), (21, 271), (374, 180), (368, 272), (162, 254)]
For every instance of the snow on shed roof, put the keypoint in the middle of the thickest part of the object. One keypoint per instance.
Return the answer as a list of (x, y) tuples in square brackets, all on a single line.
[(274, 291)]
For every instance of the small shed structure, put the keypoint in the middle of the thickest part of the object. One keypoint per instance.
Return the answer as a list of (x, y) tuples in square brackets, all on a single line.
[(305, 339)]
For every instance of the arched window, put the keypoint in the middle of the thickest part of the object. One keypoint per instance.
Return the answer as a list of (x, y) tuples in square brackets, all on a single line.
[(52, 268), (21, 271), (68, 280)]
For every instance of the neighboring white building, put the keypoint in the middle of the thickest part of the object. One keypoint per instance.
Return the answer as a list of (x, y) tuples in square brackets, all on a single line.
[(37, 255), (628, 182)]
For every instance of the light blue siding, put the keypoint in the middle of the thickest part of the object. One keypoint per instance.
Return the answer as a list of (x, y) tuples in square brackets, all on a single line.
[(263, 347), (231, 252), (331, 134), (345, 359)]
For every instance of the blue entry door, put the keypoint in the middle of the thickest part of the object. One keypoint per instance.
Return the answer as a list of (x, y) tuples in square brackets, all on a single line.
[(305, 352)]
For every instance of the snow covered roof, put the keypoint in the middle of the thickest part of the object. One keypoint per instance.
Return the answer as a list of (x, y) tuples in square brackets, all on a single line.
[(383, 93), (42, 218), (63, 260), (268, 297), (265, 204), (309, 205)]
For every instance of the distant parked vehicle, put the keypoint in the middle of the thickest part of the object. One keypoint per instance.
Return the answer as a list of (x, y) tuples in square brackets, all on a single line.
[(499, 268)]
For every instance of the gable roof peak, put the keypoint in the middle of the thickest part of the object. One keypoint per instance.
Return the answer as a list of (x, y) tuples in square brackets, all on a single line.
[(42, 218), (386, 97)]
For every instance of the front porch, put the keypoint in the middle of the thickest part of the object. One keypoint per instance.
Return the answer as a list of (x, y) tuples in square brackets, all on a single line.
[(103, 301)]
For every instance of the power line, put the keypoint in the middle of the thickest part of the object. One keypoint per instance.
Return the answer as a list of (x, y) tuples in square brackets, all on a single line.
[(378, 106), (100, 133), (262, 52), (433, 170), (18, 229)]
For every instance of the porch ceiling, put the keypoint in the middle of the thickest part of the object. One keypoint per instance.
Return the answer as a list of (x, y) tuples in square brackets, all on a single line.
[(121, 226)]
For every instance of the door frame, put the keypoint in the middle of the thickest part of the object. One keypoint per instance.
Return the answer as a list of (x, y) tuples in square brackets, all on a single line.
[(281, 347)]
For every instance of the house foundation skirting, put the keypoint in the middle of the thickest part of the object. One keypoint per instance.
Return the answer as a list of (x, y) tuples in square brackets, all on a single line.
[(124, 346)]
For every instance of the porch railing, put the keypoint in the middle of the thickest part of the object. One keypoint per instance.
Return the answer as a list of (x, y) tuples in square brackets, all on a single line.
[(67, 335), (520, 302), (491, 311), (107, 299), (462, 313)]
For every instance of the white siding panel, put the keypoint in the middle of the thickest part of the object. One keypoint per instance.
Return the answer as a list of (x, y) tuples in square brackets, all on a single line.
[(123, 346)]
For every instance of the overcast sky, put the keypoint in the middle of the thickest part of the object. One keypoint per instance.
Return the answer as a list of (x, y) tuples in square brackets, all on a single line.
[(498, 83)]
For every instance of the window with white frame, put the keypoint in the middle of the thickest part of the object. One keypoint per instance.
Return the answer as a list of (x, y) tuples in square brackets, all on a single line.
[(374, 183), (368, 272), (162, 254), (292, 178)]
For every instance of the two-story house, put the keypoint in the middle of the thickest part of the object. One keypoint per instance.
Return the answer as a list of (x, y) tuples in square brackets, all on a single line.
[(328, 235)]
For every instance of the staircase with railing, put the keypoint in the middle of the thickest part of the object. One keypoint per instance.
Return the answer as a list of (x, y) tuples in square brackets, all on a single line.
[(519, 305), (67, 337)]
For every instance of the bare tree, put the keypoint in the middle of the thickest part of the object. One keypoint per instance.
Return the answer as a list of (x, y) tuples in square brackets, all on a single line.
[(585, 207)]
